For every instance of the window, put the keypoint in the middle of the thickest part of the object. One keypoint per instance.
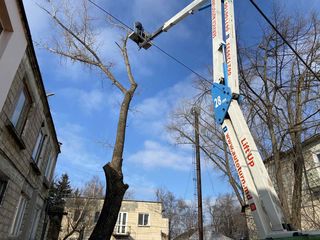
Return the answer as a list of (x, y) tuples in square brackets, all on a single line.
[(17, 221), (21, 109), (3, 186), (318, 159), (50, 166), (35, 223), (96, 217), (1, 28), (76, 215), (121, 227), (143, 219), (38, 147)]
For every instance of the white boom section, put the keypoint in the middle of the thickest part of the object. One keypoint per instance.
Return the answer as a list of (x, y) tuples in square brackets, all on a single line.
[(259, 191), (231, 46), (193, 6)]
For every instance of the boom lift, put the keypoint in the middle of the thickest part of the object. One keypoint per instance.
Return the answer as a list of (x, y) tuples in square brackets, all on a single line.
[(259, 191)]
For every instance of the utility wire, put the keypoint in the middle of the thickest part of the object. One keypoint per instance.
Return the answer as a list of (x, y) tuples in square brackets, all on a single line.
[(160, 49), (283, 38)]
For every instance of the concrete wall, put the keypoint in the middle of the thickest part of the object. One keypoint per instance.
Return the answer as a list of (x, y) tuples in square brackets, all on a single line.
[(13, 44)]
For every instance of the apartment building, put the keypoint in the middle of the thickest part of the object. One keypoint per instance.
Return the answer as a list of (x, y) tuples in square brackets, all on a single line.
[(310, 212), (28, 141), (137, 220)]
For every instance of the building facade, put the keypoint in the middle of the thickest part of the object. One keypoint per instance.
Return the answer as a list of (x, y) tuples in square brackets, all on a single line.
[(28, 141), (137, 220), (310, 212)]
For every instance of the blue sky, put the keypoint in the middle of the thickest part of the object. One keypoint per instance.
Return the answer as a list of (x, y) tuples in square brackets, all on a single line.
[(85, 106)]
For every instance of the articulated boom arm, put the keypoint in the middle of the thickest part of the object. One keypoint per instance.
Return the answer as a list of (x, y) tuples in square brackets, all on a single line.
[(144, 40)]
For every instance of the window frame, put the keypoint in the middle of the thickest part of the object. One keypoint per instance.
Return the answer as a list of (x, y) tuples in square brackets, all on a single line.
[(23, 114), (38, 147), (317, 159), (76, 215), (122, 226), (4, 17), (96, 217), (18, 216), (3, 188), (143, 219), (1, 27), (35, 223), (51, 161)]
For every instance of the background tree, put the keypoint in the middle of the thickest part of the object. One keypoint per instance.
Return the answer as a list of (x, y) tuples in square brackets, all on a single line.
[(82, 209), (281, 106), (212, 144), (76, 40), (182, 215), (55, 206), (226, 217), (282, 98)]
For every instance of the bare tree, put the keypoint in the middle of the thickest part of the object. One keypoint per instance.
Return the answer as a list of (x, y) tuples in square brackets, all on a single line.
[(81, 208), (77, 41), (281, 105), (283, 98), (226, 217), (182, 216), (212, 143)]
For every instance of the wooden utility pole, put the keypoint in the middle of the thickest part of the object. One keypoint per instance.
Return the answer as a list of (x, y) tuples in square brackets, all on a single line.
[(195, 111)]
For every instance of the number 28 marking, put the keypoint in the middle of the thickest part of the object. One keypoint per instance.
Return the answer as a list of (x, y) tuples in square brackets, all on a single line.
[(217, 101)]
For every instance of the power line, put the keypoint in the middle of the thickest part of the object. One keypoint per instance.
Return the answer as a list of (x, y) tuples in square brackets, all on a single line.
[(181, 63), (283, 38), (160, 49)]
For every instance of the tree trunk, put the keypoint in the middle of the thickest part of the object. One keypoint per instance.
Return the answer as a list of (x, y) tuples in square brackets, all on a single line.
[(115, 191), (115, 188), (298, 163)]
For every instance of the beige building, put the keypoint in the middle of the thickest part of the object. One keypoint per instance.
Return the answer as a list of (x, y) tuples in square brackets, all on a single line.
[(137, 220), (28, 141)]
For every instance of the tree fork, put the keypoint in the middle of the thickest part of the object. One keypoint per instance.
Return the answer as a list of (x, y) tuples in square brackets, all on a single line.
[(115, 191)]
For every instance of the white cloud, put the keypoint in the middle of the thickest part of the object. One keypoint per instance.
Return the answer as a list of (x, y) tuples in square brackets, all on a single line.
[(37, 18), (77, 157), (155, 155), (88, 101), (92, 100), (140, 186), (74, 150), (155, 112)]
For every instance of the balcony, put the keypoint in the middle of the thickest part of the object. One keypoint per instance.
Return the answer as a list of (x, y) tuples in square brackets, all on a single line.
[(121, 231)]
